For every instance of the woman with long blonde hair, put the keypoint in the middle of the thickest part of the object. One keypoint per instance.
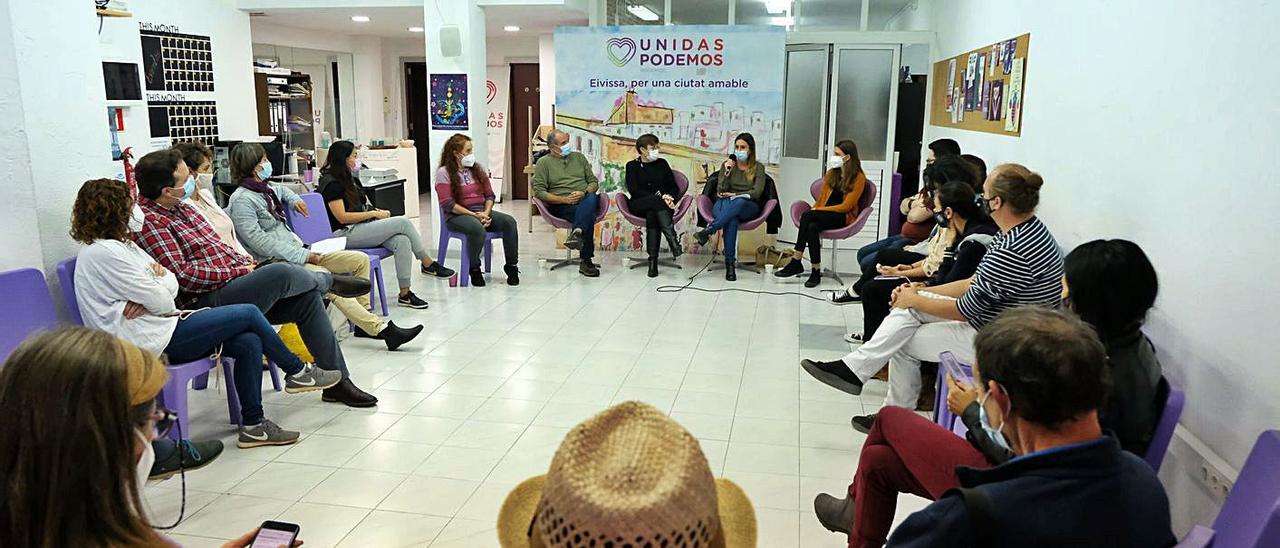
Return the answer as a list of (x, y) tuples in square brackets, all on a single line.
[(836, 207)]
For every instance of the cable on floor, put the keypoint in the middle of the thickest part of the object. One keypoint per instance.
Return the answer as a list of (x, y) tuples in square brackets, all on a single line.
[(689, 286)]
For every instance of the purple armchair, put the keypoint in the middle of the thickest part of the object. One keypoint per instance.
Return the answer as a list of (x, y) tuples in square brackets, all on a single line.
[(683, 201), (705, 204), (568, 259), (866, 203), (28, 308), (1250, 517)]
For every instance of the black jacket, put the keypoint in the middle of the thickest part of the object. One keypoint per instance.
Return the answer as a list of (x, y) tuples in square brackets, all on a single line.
[(771, 223), (1090, 494)]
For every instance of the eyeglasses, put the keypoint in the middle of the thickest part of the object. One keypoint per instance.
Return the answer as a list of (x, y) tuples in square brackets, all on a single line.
[(164, 420)]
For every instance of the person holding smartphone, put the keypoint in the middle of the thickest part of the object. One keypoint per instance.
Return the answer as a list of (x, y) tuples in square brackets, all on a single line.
[(741, 182), (352, 216)]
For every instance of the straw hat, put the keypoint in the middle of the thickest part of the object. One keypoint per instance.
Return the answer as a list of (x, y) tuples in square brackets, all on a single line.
[(629, 476)]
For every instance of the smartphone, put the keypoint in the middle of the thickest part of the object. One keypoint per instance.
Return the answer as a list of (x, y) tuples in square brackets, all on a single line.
[(952, 367), (274, 534)]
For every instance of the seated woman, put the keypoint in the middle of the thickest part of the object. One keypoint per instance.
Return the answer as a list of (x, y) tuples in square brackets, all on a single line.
[(967, 231), (123, 291), (742, 182), (199, 160), (652, 194), (76, 490), (922, 261), (351, 215), (1111, 285), (462, 186), (257, 210), (836, 207)]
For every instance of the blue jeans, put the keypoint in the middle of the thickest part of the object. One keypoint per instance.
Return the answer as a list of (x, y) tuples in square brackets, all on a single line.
[(729, 213), (583, 216), (867, 253), (245, 335)]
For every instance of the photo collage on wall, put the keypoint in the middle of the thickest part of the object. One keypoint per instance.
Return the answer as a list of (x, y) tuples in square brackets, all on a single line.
[(177, 62), (184, 120)]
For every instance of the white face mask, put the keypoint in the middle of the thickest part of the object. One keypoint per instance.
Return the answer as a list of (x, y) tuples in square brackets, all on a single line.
[(469, 160), (835, 162), (204, 181), (148, 459), (653, 154), (136, 218)]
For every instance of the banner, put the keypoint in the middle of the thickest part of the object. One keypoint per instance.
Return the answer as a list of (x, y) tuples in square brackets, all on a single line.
[(496, 90), (695, 87)]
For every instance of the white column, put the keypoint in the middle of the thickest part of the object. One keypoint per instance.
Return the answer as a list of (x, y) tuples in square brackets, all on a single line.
[(469, 19), (546, 78), (367, 58)]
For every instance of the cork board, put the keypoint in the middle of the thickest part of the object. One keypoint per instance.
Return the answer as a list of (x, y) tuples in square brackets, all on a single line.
[(982, 89)]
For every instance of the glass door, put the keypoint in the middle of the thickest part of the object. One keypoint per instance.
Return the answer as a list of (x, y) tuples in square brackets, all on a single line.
[(804, 132)]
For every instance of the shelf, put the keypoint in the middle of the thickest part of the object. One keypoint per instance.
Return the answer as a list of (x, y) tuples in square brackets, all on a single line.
[(113, 13)]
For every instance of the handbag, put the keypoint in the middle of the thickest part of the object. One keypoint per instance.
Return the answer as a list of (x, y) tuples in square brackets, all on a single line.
[(767, 254)]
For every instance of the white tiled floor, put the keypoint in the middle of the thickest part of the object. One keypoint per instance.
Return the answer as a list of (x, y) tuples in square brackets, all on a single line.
[(482, 399)]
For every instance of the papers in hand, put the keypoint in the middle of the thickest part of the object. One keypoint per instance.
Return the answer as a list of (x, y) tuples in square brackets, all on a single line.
[(329, 245)]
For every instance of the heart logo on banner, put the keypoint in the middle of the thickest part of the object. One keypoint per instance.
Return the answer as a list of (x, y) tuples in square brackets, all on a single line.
[(621, 50), (491, 91)]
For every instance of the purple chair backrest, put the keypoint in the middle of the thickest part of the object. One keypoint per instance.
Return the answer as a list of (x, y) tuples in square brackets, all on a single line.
[(1171, 411), (28, 307), (314, 228), (682, 183), (1250, 518), (865, 201), (67, 279)]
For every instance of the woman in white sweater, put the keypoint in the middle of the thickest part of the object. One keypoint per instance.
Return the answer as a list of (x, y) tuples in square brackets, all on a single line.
[(122, 290)]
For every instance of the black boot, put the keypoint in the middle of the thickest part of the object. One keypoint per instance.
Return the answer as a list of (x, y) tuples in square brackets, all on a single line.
[(347, 393), (669, 232), (651, 245), (395, 336), (792, 268), (730, 273), (815, 278)]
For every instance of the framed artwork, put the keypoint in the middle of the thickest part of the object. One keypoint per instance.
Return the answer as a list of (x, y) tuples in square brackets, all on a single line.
[(449, 105)]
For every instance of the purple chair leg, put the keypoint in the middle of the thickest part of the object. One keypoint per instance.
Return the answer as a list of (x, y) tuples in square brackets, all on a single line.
[(201, 381), (464, 266), (233, 397), (376, 272), (275, 377), (488, 256)]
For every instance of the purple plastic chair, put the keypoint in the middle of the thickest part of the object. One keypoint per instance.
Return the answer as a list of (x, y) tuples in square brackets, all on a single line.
[(683, 201), (28, 307), (316, 227), (1173, 402), (568, 259), (1250, 518), (866, 203), (173, 395), (705, 205), (464, 270), (942, 415)]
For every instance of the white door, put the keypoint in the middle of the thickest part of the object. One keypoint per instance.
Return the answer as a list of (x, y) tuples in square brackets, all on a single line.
[(804, 132)]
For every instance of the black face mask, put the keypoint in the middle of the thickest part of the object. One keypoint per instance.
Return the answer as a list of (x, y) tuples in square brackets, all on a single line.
[(941, 219), (986, 206)]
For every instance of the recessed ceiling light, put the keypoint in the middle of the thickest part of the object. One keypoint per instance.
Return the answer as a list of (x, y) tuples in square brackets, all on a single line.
[(777, 7), (415, 29), (644, 13), (511, 28), (360, 18)]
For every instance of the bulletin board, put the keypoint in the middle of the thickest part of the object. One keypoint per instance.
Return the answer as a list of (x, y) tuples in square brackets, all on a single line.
[(982, 89)]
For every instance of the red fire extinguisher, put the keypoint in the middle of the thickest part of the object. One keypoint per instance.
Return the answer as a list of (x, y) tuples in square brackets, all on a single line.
[(128, 171)]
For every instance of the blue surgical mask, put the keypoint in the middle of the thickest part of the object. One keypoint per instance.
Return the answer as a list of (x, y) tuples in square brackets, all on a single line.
[(993, 433), (265, 172), (189, 187), (566, 149), (741, 155)]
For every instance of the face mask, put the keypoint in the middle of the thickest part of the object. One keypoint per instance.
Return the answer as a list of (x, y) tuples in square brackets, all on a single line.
[(355, 171), (941, 219), (835, 162), (264, 172), (188, 188), (993, 433), (136, 217), (653, 154), (148, 459), (741, 155), (986, 206), (204, 181), (566, 149), (469, 160)]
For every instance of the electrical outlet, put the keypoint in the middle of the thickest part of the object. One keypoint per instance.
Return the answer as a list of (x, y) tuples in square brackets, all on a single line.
[(1215, 481)]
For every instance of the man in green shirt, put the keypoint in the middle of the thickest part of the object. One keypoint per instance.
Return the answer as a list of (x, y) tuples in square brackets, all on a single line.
[(564, 180)]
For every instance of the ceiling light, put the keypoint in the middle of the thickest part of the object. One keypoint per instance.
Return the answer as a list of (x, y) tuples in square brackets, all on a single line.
[(782, 21), (415, 29), (360, 18), (511, 28), (776, 7), (643, 12)]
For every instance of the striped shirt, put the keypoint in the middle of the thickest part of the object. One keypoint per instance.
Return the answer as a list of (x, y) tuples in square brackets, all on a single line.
[(1022, 267)]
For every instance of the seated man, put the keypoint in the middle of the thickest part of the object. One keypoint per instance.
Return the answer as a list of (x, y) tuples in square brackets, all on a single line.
[(257, 211), (209, 273), (1042, 375), (564, 180), (1023, 266)]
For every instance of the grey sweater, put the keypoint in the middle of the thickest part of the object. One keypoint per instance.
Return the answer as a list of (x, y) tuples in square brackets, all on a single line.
[(263, 235)]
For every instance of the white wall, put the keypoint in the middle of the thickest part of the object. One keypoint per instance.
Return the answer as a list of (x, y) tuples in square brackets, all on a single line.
[(546, 77), (228, 30), (18, 209), (395, 53), (1157, 124)]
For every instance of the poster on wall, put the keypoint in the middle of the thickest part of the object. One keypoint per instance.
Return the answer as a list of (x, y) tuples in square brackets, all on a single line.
[(496, 95), (177, 69), (695, 87), (449, 102), (1013, 104)]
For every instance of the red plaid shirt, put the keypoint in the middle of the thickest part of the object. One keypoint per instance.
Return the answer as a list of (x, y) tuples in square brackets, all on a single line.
[(181, 240)]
